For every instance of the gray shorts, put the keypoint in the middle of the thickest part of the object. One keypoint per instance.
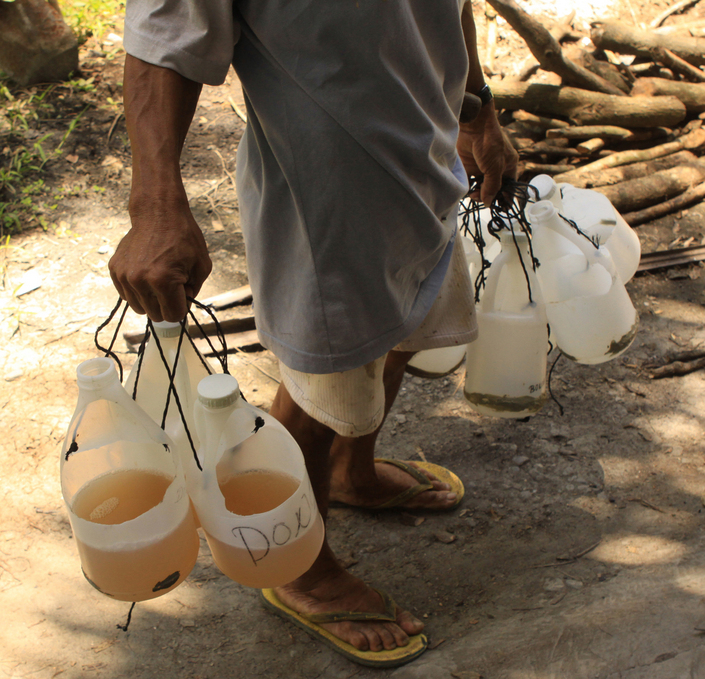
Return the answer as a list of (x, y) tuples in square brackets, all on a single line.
[(352, 402)]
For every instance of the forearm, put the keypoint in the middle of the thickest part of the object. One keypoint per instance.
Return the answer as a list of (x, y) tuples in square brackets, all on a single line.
[(486, 119), (163, 259), (476, 78), (482, 145), (159, 108)]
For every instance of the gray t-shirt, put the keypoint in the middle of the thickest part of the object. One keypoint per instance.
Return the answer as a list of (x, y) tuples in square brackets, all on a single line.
[(347, 170)]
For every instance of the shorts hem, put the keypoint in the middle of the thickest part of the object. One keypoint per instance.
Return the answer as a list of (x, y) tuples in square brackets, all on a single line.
[(340, 427), (438, 341)]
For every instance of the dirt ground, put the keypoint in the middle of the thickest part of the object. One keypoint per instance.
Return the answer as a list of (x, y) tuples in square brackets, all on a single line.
[(576, 553)]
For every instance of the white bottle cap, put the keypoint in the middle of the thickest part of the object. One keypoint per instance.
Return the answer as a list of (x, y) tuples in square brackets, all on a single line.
[(545, 186), (218, 391), (541, 211), (96, 373), (166, 329)]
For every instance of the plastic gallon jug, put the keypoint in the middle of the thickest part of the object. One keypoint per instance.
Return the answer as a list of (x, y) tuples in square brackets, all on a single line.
[(591, 316), (255, 501), (597, 218), (153, 387), (434, 363), (506, 365), (125, 492), (623, 243)]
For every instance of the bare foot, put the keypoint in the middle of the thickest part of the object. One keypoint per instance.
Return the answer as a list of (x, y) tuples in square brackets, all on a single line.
[(386, 482), (338, 591)]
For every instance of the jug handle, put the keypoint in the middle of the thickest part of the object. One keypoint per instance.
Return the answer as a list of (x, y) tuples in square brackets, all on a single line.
[(213, 423), (488, 298), (210, 423)]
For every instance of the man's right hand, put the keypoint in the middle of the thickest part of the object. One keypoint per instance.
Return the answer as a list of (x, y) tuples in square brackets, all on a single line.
[(161, 261)]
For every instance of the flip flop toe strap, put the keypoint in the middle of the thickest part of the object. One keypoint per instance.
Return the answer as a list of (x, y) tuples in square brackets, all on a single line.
[(423, 484), (389, 614)]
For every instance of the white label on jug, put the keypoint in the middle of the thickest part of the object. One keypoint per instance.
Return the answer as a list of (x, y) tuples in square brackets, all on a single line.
[(258, 544), (281, 534)]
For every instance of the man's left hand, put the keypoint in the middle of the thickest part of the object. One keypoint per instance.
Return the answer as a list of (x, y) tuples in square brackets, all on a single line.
[(486, 151)]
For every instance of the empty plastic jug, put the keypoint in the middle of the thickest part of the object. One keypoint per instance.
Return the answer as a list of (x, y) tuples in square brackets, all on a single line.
[(623, 243), (597, 218), (433, 363), (125, 492), (506, 365), (153, 387), (255, 501), (591, 316)]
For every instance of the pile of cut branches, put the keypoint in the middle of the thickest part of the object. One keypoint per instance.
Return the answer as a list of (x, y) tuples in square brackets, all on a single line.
[(626, 117)]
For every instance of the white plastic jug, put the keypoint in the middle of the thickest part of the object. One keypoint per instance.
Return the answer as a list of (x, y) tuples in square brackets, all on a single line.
[(433, 363), (125, 492), (153, 387), (597, 218), (506, 365), (255, 501), (591, 316), (623, 242)]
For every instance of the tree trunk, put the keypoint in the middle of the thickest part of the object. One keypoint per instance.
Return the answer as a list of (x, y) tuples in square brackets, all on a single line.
[(691, 141), (607, 132), (590, 146), (36, 45), (548, 149), (690, 197), (547, 49), (589, 108), (544, 123), (678, 65), (673, 9), (602, 68), (637, 194), (625, 39), (634, 171), (545, 168), (691, 94)]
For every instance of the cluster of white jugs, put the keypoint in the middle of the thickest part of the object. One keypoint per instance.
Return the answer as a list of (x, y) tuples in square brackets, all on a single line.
[(135, 494), (576, 294)]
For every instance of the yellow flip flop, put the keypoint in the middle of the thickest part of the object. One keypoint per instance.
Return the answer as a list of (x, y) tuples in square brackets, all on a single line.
[(311, 624), (422, 485)]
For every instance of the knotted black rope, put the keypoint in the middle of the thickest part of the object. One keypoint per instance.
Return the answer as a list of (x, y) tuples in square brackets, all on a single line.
[(222, 355), (593, 240), (109, 350), (140, 355), (129, 618), (470, 212), (171, 373), (550, 375), (506, 214)]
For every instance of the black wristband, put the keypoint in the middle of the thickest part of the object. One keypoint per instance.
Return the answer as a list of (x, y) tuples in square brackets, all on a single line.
[(485, 95)]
